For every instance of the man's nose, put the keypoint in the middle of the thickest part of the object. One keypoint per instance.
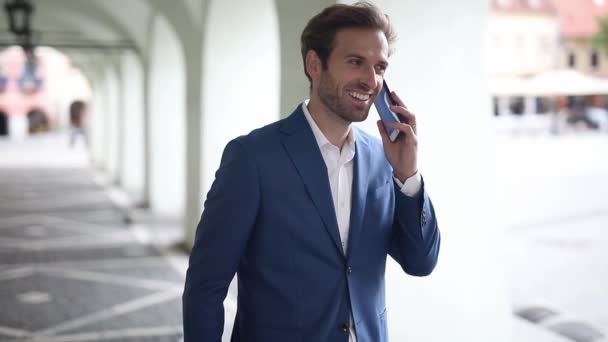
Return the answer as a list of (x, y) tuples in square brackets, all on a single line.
[(368, 78)]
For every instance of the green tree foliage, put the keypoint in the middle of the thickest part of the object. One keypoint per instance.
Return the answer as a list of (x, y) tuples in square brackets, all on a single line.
[(600, 39)]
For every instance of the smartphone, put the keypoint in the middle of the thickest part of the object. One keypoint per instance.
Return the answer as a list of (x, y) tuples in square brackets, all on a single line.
[(383, 103)]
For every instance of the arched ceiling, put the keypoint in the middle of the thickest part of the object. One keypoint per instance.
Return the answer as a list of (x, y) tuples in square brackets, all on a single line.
[(69, 25), (109, 23)]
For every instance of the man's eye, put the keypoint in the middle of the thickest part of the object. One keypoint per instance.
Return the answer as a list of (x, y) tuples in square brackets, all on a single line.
[(381, 69), (355, 62)]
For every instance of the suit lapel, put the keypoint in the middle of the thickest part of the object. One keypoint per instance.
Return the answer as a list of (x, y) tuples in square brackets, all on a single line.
[(359, 191), (304, 152)]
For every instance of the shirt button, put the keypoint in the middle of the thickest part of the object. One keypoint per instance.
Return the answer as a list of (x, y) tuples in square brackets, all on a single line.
[(344, 327)]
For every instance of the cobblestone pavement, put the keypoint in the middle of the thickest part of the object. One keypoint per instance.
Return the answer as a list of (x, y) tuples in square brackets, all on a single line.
[(72, 270)]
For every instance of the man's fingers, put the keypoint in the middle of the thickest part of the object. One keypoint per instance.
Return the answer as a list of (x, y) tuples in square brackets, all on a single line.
[(398, 100), (409, 117), (383, 134), (402, 110), (404, 128)]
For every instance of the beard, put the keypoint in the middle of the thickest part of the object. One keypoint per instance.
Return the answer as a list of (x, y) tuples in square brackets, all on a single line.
[(339, 102)]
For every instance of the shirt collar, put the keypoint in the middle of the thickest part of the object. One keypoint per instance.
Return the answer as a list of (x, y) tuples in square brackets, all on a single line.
[(320, 137)]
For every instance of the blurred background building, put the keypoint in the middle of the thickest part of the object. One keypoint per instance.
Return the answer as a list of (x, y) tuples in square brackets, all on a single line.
[(578, 22), (546, 34), (35, 97), (529, 27), (541, 58), (114, 115)]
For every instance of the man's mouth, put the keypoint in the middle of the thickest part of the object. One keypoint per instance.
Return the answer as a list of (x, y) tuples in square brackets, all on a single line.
[(359, 96)]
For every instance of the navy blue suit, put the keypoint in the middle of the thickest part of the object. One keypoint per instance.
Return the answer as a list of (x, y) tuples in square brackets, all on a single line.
[(269, 217)]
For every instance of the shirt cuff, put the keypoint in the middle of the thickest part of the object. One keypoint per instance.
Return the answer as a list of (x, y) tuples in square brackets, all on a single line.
[(412, 185)]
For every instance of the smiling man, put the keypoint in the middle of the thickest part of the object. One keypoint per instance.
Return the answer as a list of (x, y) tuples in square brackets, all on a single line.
[(306, 210)]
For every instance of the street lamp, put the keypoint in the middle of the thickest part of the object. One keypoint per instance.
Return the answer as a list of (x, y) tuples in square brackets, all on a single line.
[(29, 82), (19, 14), (3, 82)]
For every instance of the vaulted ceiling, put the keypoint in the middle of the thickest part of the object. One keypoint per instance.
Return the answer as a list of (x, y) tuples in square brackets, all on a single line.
[(86, 30)]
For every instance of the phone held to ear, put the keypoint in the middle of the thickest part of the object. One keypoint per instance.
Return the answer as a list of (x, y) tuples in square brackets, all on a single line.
[(383, 103)]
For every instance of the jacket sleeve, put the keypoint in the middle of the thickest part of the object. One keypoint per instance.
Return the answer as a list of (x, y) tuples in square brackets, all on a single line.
[(415, 238), (221, 236)]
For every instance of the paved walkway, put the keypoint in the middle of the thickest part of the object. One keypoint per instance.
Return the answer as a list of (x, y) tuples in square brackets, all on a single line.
[(552, 199), (70, 268)]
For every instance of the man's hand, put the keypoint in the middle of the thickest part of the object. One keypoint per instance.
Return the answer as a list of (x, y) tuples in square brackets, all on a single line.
[(403, 153)]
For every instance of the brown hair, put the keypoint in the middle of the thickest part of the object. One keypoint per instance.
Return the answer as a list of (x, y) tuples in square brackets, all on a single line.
[(320, 32)]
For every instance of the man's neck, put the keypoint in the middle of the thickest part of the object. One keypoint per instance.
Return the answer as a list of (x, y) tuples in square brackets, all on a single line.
[(333, 127)]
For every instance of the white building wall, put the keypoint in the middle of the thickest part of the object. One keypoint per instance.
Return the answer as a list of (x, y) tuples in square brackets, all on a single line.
[(97, 122), (241, 76), (112, 116), (132, 163), (167, 121)]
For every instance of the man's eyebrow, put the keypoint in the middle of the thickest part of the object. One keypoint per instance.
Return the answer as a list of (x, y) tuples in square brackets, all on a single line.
[(351, 55), (354, 55)]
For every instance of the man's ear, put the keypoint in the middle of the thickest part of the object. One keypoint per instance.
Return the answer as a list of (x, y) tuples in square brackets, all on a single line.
[(313, 64)]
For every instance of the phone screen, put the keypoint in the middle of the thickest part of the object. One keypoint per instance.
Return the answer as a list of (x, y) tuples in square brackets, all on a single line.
[(383, 103)]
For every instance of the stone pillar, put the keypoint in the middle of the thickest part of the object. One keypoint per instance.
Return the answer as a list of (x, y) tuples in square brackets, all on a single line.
[(293, 16), (18, 126)]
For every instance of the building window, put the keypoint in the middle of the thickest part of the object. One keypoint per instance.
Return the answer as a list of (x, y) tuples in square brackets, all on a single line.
[(571, 59), (595, 60)]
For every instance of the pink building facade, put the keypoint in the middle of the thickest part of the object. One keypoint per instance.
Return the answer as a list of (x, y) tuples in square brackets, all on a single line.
[(25, 105)]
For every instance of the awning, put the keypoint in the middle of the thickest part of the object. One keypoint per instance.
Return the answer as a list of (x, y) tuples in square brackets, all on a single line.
[(550, 83)]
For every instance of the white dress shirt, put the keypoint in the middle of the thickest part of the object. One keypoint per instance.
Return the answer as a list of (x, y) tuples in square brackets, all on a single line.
[(340, 172)]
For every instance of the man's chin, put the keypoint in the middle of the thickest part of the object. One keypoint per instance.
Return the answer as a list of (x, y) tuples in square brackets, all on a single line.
[(361, 118), (356, 117), (362, 114)]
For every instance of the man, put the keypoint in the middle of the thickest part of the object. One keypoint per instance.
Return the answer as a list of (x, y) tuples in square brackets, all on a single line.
[(77, 112), (306, 210)]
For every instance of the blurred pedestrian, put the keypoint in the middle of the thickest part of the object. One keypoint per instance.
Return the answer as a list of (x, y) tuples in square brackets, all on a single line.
[(77, 122)]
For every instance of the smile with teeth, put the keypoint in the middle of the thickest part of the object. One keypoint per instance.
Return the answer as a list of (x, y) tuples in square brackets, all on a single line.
[(359, 96)]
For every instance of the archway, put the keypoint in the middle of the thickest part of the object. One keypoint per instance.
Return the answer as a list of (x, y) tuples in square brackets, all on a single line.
[(38, 121), (3, 123)]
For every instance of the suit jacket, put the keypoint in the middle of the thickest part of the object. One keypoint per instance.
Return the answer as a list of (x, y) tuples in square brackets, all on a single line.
[(269, 217)]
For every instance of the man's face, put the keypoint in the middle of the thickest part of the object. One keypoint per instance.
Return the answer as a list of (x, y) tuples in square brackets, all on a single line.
[(354, 74)]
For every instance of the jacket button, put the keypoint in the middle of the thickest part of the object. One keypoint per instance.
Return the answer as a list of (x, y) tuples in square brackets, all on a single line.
[(344, 327), (349, 270)]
